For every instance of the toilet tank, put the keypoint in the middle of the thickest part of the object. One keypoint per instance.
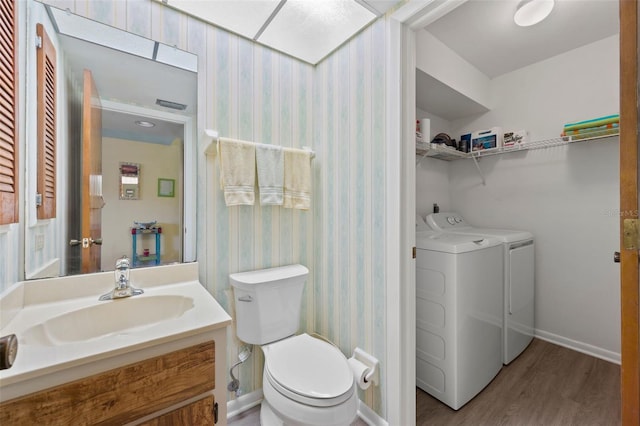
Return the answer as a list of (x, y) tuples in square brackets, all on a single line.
[(268, 303)]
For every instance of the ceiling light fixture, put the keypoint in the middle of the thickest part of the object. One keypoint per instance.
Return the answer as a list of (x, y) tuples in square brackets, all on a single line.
[(530, 12), (143, 123)]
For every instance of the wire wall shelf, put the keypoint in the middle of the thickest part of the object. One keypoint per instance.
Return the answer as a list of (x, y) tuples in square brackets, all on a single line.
[(447, 153)]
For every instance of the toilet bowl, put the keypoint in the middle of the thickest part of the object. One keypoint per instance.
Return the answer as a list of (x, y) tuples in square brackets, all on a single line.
[(306, 381)]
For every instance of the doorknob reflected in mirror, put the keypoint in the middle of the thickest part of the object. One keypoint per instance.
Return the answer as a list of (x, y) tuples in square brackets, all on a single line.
[(616, 257), (86, 242)]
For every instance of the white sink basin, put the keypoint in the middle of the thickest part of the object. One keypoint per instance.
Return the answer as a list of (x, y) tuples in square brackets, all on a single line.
[(120, 316), (65, 333)]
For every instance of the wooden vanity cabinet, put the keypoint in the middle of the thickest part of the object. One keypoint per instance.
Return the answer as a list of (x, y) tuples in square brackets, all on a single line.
[(125, 394), (196, 413)]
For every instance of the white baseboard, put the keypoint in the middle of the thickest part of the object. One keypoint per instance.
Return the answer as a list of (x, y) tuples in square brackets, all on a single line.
[(369, 416), (250, 400), (585, 348), (244, 403)]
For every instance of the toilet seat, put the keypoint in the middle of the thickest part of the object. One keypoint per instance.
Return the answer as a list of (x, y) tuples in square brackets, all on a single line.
[(289, 412), (309, 371)]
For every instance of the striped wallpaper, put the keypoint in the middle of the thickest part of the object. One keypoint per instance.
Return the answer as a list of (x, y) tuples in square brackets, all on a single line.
[(253, 93), (250, 92), (349, 186)]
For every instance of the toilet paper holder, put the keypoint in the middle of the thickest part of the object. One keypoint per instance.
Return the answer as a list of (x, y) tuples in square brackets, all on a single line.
[(371, 362)]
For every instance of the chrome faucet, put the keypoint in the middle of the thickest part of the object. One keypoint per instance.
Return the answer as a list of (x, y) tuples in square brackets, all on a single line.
[(123, 286)]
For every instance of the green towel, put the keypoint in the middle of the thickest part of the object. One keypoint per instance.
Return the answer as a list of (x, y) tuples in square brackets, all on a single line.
[(591, 129), (594, 134), (595, 122)]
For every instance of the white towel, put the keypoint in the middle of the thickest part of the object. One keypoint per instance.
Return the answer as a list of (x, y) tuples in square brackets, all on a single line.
[(237, 171), (297, 179), (270, 165)]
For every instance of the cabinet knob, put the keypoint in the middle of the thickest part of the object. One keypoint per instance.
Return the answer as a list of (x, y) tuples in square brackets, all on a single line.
[(616, 257)]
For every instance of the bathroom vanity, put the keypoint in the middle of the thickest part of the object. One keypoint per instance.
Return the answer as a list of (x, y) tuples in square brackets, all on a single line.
[(150, 359)]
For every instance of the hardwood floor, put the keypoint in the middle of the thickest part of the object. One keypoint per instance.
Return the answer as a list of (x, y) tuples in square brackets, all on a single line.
[(547, 385), (248, 418)]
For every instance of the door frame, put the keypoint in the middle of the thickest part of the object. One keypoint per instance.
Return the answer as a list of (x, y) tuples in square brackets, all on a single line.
[(189, 171), (400, 203), (629, 283), (90, 162)]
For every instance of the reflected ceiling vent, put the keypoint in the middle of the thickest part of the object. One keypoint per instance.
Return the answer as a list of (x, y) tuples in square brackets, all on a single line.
[(172, 105)]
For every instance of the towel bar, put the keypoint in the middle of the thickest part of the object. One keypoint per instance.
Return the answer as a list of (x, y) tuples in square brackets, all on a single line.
[(212, 146)]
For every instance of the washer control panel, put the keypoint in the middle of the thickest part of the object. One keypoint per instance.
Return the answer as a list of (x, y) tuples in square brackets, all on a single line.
[(443, 221)]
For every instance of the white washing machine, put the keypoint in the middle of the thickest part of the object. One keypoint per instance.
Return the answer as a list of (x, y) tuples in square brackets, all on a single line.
[(519, 293), (458, 314)]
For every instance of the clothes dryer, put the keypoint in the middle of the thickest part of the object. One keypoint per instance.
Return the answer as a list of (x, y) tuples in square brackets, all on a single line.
[(458, 314), (519, 278)]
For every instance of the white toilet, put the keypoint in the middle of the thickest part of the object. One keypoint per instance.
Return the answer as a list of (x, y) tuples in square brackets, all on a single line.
[(306, 381)]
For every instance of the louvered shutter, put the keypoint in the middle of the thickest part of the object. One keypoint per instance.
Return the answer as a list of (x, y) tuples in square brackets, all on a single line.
[(46, 63), (8, 112)]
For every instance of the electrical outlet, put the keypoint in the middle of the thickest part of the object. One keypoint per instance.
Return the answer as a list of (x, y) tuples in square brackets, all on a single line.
[(39, 243)]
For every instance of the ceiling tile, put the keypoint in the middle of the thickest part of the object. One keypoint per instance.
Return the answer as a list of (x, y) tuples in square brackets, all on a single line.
[(310, 30), (243, 17)]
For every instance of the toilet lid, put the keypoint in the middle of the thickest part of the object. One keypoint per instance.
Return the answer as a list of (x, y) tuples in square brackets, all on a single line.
[(309, 367)]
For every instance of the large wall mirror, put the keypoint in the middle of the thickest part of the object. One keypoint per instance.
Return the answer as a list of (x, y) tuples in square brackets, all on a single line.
[(126, 110)]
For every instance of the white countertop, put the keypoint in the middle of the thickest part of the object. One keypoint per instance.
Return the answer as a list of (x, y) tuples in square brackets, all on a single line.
[(41, 364)]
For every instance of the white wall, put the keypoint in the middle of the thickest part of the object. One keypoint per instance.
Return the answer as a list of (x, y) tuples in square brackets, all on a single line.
[(432, 185), (438, 124), (435, 59), (567, 196), (580, 84), (432, 176), (10, 259)]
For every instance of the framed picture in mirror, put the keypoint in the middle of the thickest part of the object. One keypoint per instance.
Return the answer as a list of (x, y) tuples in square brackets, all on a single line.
[(129, 181), (166, 187)]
